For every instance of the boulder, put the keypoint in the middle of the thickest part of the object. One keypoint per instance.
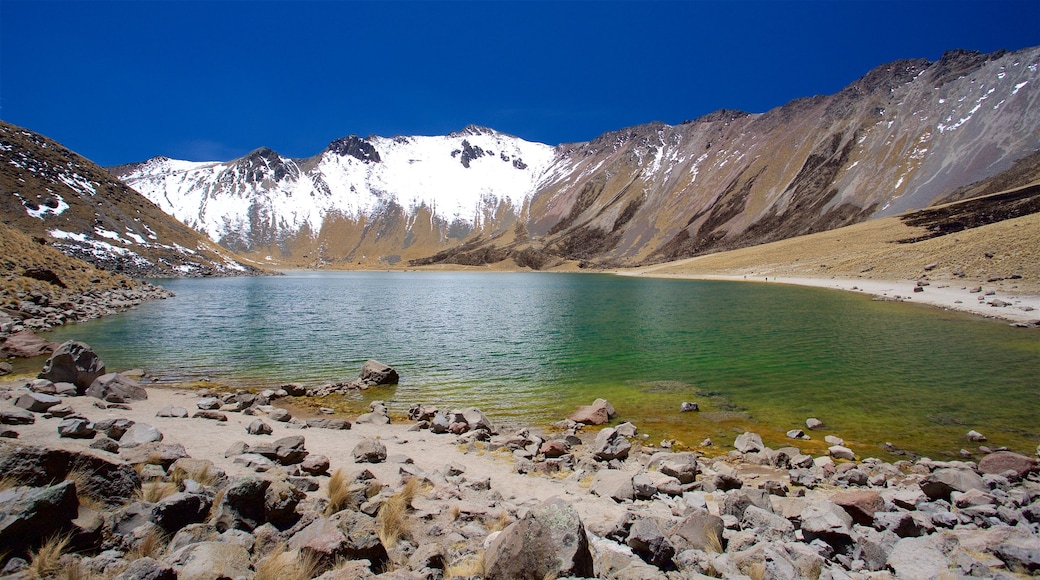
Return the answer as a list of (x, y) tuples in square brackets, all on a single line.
[(111, 482), (369, 450), (73, 362), (942, 482), (648, 541), (210, 561), (766, 524), (598, 413), (116, 388), (614, 484), (812, 423), (36, 402), (609, 444), (376, 373), (17, 417), (322, 540), (171, 411), (258, 427), (841, 452), (748, 442), (286, 451), (25, 344), (362, 536), (29, 515), (549, 541), (698, 530), (688, 407), (180, 509), (139, 434), (242, 507), (1002, 461), (919, 558), (860, 504), (210, 415), (827, 521), (76, 429), (682, 466), (147, 569), (114, 428), (280, 501)]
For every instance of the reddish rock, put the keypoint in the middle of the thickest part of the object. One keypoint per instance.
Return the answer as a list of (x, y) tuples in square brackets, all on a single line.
[(860, 504), (598, 413), (25, 344), (553, 449), (1001, 461)]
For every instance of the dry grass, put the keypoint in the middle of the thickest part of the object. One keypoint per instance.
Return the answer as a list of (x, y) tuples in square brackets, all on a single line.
[(338, 492), (756, 571), (215, 508), (392, 519), (466, 567), (283, 564), (713, 541), (153, 545), (85, 492), (9, 482), (500, 523), (206, 475), (156, 491), (45, 561), (455, 512)]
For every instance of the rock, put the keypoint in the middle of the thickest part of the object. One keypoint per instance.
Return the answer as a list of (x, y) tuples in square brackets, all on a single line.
[(105, 444), (315, 465), (477, 420), (682, 466), (833, 440), (279, 415), (688, 407), (280, 503), (180, 509), (211, 561), (625, 429), (797, 434), (322, 539), (333, 424), (147, 569), (648, 541), (941, 482), (698, 530), (841, 452), (614, 484), (109, 481), (139, 434), (5, 368), (827, 521), (598, 413), (974, 435), (116, 388), (362, 537), (648, 484), (73, 362), (812, 423), (918, 559), (25, 344), (369, 450), (860, 504), (36, 402), (551, 449), (114, 428), (242, 507), (748, 442), (550, 541), (610, 445), (376, 373), (29, 515), (736, 502), (17, 417), (76, 429), (1001, 461), (258, 427), (210, 415), (172, 412), (766, 524)]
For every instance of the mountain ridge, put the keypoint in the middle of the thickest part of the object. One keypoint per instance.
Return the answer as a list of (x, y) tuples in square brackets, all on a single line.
[(901, 137)]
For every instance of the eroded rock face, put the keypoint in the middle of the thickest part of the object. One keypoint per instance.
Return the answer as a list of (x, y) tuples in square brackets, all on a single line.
[(116, 388), (550, 540), (29, 515), (73, 362)]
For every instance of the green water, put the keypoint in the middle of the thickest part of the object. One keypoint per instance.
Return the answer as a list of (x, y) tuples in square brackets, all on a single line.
[(530, 347)]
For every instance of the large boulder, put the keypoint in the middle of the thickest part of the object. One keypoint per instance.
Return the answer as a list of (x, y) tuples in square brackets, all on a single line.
[(698, 530), (139, 434), (73, 362), (286, 451), (598, 413), (110, 482), (942, 482), (549, 541), (116, 388), (211, 561), (682, 466), (609, 444), (1003, 461), (180, 509), (25, 344), (242, 507), (369, 450), (376, 373), (614, 484), (748, 442), (29, 515), (860, 504), (827, 521), (36, 402)]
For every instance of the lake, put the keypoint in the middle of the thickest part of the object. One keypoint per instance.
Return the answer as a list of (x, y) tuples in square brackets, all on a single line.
[(530, 347)]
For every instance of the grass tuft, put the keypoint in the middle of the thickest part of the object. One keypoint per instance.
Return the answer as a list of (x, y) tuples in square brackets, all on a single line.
[(466, 567), (45, 561), (713, 541), (153, 545), (206, 475), (338, 491), (284, 564), (392, 519), (156, 491)]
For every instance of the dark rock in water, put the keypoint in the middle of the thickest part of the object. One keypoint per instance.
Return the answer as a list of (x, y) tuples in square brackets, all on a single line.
[(33, 514), (76, 429), (25, 344), (73, 362), (550, 541), (376, 373), (116, 388)]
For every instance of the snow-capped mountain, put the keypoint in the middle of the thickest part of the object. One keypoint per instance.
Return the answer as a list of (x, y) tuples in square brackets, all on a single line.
[(62, 199), (906, 135)]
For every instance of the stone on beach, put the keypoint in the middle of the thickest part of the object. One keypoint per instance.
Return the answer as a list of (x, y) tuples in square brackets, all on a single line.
[(73, 362), (116, 388), (598, 413)]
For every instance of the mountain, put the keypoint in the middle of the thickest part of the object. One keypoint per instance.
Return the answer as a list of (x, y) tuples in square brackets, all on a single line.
[(906, 135), (63, 200)]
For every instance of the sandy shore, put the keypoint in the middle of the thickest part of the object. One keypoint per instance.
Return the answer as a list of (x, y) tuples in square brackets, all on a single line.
[(1021, 307)]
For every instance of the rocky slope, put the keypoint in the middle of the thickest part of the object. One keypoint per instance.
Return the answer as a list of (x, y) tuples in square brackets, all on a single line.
[(63, 200), (906, 135)]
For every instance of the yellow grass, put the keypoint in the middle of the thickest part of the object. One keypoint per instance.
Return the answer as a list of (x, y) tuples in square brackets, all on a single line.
[(45, 561), (392, 518), (153, 545), (156, 491), (283, 564), (466, 567), (338, 492)]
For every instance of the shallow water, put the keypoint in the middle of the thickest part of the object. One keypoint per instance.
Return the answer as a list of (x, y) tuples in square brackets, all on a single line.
[(530, 347)]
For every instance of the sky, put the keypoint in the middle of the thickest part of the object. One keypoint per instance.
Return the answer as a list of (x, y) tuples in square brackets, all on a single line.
[(124, 81)]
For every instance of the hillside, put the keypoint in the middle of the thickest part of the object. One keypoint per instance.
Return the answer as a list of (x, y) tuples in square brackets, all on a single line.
[(52, 194), (906, 135)]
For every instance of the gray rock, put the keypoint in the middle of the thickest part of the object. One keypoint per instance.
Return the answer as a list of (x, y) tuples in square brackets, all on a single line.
[(748, 442), (139, 434), (165, 454), (192, 534), (258, 427), (208, 404), (766, 524), (610, 445), (113, 428), (242, 507), (210, 561), (477, 420), (598, 413), (698, 530), (332, 424), (29, 515), (172, 412), (17, 417), (614, 484), (738, 500), (73, 362), (362, 537), (105, 444), (210, 415), (646, 539), (682, 466), (147, 569), (827, 521), (812, 423), (941, 482), (1004, 461), (376, 373), (76, 429), (315, 465), (841, 452), (918, 559), (280, 501), (116, 388), (111, 482), (36, 402), (369, 450), (279, 415), (688, 407), (180, 509), (550, 541)]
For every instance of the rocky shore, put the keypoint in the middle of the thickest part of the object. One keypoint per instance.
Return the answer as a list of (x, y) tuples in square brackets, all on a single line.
[(104, 478)]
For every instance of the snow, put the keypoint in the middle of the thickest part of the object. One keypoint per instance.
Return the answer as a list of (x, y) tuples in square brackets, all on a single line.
[(78, 183), (1019, 86), (43, 210), (136, 238)]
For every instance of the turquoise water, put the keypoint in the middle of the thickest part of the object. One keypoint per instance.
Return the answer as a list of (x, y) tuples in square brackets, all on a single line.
[(530, 347)]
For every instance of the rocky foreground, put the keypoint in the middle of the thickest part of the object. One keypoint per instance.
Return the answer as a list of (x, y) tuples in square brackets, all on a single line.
[(164, 483)]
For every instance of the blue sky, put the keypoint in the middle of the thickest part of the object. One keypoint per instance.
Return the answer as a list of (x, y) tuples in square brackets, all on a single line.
[(121, 81)]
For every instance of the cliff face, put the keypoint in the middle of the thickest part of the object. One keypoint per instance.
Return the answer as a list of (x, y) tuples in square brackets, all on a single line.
[(904, 136)]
